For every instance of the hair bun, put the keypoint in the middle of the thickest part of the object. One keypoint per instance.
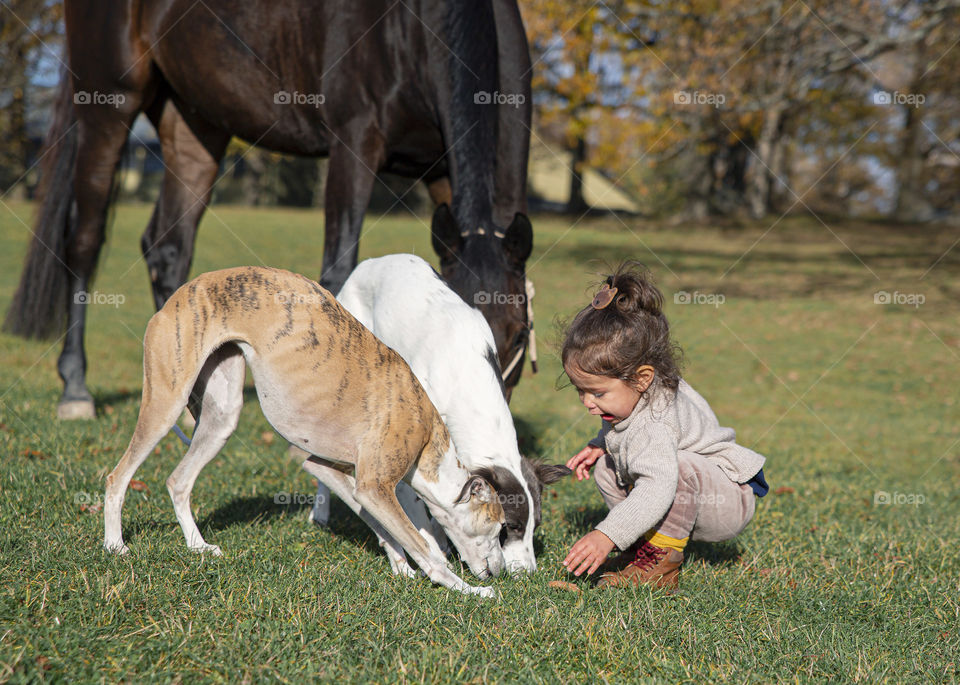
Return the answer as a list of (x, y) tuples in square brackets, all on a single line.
[(635, 290)]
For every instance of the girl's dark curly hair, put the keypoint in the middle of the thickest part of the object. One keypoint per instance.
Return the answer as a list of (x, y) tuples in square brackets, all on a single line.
[(628, 333)]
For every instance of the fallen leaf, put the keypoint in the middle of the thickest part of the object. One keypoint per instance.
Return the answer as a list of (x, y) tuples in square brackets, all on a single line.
[(139, 486), (784, 490), (35, 454), (563, 585), (43, 663), (267, 437)]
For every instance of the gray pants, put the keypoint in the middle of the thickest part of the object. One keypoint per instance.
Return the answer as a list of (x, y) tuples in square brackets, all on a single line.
[(708, 506)]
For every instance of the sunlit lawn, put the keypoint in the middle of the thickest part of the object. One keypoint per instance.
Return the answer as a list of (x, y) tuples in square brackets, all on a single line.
[(853, 402)]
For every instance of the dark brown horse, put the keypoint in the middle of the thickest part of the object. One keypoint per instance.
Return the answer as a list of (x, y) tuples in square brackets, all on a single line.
[(406, 86)]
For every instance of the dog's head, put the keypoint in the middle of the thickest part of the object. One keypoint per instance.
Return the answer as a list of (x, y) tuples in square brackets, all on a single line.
[(523, 514), (473, 525), (520, 500)]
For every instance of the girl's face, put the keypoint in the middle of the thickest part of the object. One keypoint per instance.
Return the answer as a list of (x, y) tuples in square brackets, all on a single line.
[(609, 398)]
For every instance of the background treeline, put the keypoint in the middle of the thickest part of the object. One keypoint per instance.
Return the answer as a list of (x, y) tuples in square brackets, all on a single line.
[(693, 108)]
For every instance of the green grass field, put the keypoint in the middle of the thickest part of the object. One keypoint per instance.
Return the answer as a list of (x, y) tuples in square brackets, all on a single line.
[(850, 570)]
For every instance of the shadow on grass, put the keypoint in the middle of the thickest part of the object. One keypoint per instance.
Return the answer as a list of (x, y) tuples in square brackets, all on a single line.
[(527, 438), (714, 553), (122, 396), (584, 519), (808, 271), (253, 510)]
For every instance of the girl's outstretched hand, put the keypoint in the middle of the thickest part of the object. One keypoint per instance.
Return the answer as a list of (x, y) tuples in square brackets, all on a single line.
[(588, 553), (583, 461)]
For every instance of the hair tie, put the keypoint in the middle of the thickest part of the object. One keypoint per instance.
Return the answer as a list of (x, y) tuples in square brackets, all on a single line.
[(604, 297)]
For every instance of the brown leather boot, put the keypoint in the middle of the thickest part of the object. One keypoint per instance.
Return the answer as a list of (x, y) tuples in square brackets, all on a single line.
[(652, 565)]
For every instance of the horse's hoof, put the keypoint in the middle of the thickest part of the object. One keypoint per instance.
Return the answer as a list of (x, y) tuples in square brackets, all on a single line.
[(71, 410)]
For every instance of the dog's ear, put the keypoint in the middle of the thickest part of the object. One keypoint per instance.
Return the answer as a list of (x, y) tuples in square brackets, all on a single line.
[(445, 234), (477, 487), (551, 473)]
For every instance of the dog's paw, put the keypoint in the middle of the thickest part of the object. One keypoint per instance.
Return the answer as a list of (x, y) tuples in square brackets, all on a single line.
[(401, 567), (485, 592), (116, 548), (213, 550)]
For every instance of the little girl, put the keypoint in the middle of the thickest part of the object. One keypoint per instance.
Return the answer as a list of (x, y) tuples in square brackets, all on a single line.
[(666, 468)]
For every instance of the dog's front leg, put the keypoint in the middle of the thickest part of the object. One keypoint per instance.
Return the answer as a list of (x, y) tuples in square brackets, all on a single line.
[(376, 493), (431, 531), (343, 486)]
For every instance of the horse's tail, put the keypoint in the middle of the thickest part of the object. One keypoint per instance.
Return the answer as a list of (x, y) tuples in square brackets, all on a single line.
[(40, 304)]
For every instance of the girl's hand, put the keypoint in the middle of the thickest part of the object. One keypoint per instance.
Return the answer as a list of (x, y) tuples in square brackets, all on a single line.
[(588, 553), (583, 461)]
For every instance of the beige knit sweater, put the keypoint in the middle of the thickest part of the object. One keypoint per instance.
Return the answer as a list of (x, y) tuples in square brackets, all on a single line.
[(644, 449)]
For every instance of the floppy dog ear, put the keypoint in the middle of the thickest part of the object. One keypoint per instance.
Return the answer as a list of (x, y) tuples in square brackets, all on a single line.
[(444, 233), (551, 473), (478, 487)]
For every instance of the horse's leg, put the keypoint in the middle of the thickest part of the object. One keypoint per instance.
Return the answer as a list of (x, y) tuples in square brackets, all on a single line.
[(191, 156), (354, 161), (353, 166), (103, 131)]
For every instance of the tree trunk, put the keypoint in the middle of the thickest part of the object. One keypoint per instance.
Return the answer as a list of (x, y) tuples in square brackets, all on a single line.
[(758, 188), (911, 204), (15, 143), (576, 204)]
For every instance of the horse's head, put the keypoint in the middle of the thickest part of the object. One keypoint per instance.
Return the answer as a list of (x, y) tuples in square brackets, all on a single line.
[(485, 266)]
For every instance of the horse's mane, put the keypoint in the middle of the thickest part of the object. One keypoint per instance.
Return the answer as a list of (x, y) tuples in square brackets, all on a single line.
[(471, 39)]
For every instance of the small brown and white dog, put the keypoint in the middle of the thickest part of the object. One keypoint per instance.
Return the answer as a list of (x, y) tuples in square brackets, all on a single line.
[(328, 386)]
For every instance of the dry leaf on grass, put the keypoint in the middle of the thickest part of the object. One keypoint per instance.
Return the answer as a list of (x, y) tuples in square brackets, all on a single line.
[(563, 585)]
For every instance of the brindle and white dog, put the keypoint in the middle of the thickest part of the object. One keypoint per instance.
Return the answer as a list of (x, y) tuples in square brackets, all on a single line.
[(450, 348), (328, 386)]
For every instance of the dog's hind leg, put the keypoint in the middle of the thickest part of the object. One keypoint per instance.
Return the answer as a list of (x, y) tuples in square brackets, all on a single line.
[(343, 486), (219, 390), (159, 409)]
